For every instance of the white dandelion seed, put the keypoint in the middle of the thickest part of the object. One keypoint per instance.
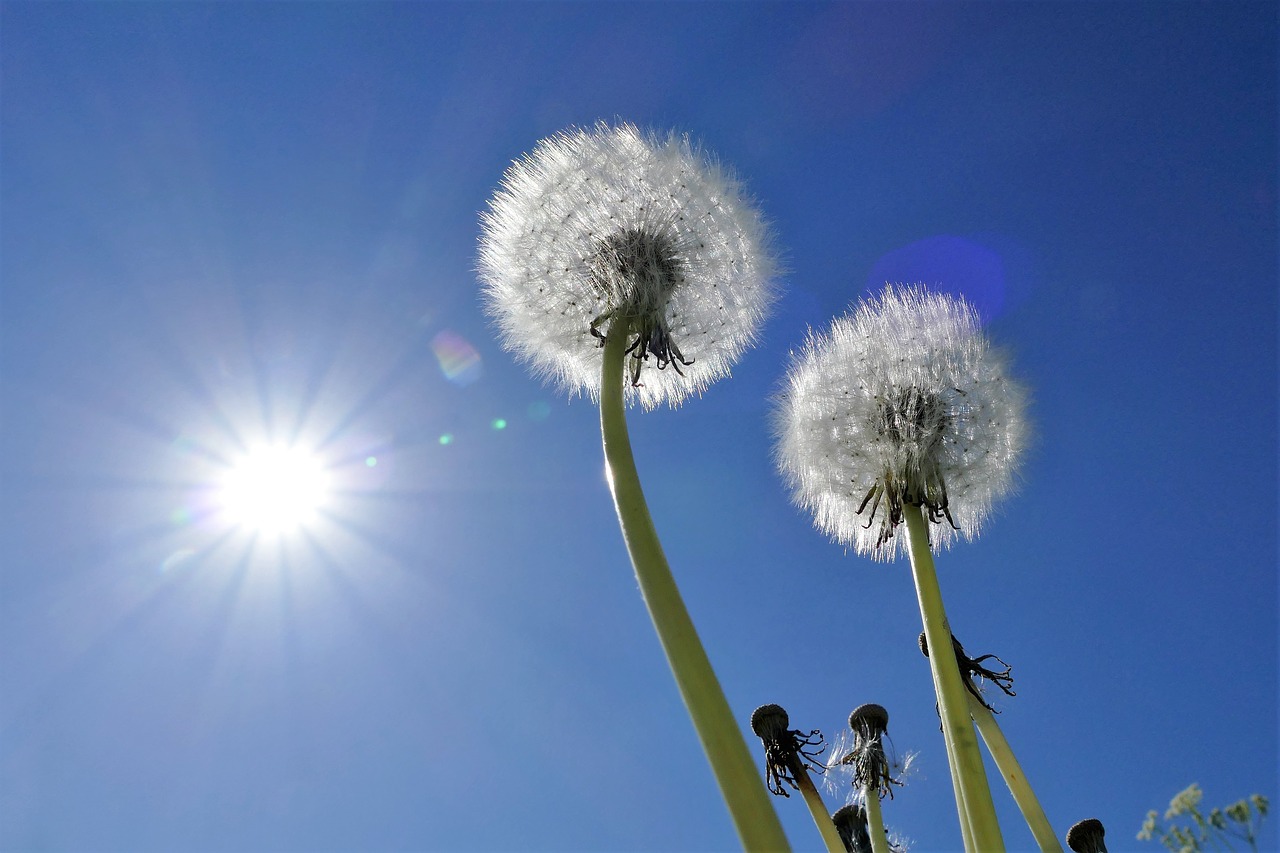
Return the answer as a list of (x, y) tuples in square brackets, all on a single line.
[(608, 224), (903, 401)]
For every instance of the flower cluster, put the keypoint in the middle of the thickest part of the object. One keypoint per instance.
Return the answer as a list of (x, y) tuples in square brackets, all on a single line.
[(903, 401), (598, 226)]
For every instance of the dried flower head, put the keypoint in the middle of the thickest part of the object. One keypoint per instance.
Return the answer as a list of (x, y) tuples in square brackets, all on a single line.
[(971, 667), (1086, 837), (851, 826), (595, 226), (872, 770), (787, 752), (903, 402)]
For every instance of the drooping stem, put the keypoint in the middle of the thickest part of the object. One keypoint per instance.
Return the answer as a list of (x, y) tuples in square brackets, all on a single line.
[(973, 795), (875, 820), (818, 809), (1011, 770), (753, 815)]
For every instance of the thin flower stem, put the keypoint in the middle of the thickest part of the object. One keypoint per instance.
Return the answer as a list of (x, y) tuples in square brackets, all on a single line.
[(818, 809), (753, 815), (875, 821), (966, 829), (973, 795), (1011, 770)]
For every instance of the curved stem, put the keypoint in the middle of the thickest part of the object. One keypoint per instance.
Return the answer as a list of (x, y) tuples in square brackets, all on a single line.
[(735, 771), (1011, 770), (973, 795)]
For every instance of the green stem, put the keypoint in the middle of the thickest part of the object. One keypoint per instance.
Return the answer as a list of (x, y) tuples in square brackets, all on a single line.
[(818, 810), (1011, 770), (735, 771), (973, 795), (966, 829), (875, 821)]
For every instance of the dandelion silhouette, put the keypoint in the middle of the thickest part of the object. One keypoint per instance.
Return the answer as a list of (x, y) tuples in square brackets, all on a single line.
[(973, 667), (1086, 837), (871, 768), (851, 823), (788, 753)]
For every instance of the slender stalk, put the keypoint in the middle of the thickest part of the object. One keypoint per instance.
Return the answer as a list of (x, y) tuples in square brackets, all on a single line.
[(818, 809), (966, 828), (753, 815), (875, 821), (1011, 770), (973, 795)]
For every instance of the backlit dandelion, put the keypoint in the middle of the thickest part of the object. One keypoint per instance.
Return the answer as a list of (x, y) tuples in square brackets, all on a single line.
[(903, 413), (902, 402), (610, 224), (607, 257)]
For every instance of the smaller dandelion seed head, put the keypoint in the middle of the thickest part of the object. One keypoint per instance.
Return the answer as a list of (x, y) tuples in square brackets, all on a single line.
[(902, 402), (1086, 837), (603, 225)]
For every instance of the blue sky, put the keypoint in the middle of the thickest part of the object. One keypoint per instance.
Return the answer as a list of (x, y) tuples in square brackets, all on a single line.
[(230, 224)]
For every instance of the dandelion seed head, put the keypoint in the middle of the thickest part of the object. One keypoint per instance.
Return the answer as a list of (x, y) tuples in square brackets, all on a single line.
[(606, 224), (902, 401)]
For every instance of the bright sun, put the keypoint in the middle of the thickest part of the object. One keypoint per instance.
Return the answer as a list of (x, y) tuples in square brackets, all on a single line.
[(274, 489)]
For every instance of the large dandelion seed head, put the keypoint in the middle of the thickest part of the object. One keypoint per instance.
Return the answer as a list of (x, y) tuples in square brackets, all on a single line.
[(608, 224), (903, 401)]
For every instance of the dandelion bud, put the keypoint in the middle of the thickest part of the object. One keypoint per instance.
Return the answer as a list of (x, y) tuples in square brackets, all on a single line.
[(970, 667), (903, 402), (1086, 837), (605, 225), (869, 721), (872, 770), (851, 825), (787, 752)]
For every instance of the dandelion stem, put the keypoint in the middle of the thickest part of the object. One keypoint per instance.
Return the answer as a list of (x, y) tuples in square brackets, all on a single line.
[(875, 821), (1011, 770), (818, 809), (735, 771), (973, 795)]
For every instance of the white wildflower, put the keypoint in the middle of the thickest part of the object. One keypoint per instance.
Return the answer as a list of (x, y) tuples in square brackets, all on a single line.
[(599, 225), (903, 402)]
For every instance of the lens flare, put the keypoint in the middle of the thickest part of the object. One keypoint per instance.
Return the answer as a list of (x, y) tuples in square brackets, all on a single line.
[(275, 490), (459, 361)]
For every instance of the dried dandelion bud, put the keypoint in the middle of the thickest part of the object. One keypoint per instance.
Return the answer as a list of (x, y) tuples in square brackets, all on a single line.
[(970, 667), (787, 752), (1086, 837), (851, 826), (872, 769)]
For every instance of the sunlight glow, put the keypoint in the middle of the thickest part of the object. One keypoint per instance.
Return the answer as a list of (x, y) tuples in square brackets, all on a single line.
[(275, 490)]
